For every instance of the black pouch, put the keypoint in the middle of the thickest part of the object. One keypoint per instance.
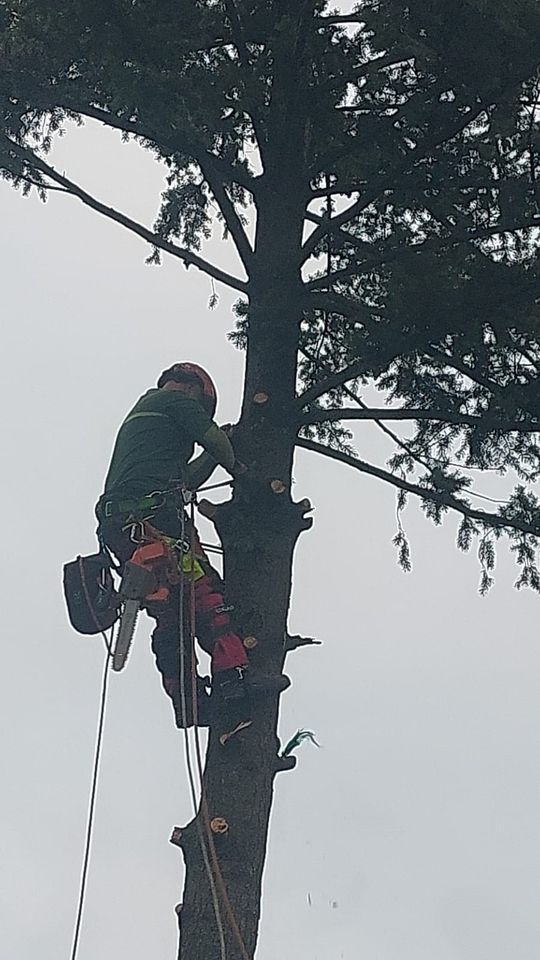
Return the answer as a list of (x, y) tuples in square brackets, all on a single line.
[(92, 602)]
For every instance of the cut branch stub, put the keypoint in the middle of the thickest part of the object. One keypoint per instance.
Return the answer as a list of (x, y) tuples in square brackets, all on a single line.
[(250, 642), (219, 825), (268, 684), (296, 641), (303, 507), (184, 837), (282, 764), (277, 486), (260, 397), (176, 837)]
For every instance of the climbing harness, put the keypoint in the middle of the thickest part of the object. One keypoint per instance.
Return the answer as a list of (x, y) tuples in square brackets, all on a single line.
[(113, 508), (159, 562)]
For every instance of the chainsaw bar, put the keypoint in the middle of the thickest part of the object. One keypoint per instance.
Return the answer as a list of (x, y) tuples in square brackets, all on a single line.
[(137, 581), (124, 637)]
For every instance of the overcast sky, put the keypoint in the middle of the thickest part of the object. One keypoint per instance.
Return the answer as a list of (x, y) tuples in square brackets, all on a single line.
[(413, 833)]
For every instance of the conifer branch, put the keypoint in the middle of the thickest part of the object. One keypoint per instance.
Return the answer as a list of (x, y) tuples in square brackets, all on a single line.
[(39, 185), (340, 18), (387, 181), (379, 422), (438, 497), (232, 220), (172, 144), (237, 30), (338, 303), (214, 170), (187, 256), (496, 389), (378, 255), (470, 372), (324, 283), (410, 413), (336, 188), (373, 67), (330, 383)]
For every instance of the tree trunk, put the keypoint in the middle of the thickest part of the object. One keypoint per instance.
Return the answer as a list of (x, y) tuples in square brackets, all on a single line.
[(239, 776), (258, 528)]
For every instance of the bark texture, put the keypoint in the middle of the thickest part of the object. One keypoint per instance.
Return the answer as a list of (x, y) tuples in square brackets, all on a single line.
[(259, 528)]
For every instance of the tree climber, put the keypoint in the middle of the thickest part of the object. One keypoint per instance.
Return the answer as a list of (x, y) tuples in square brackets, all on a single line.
[(151, 463)]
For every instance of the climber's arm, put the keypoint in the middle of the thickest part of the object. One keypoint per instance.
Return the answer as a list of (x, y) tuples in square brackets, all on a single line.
[(199, 470), (197, 426), (216, 443)]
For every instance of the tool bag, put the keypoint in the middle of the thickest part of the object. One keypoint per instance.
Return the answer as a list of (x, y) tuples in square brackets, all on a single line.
[(92, 602)]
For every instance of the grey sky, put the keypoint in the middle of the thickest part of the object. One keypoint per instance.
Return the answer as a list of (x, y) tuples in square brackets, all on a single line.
[(413, 833)]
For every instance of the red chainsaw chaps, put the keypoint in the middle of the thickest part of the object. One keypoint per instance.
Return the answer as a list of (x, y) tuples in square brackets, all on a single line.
[(226, 648), (212, 622), (228, 652)]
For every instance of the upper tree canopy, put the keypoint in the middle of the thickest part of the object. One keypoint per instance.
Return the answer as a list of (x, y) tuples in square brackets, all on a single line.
[(408, 134)]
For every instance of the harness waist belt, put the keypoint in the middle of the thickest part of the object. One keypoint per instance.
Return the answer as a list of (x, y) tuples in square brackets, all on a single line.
[(112, 508)]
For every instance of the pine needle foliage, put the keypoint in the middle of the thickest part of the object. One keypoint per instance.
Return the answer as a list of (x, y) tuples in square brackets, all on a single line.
[(416, 132)]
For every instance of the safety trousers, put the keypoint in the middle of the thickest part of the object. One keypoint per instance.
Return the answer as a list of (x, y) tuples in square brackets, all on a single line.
[(202, 589)]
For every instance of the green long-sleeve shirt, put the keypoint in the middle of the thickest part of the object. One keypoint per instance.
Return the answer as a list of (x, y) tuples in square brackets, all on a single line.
[(156, 442)]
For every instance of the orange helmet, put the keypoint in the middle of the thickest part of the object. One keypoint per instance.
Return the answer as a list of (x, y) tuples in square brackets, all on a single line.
[(193, 373)]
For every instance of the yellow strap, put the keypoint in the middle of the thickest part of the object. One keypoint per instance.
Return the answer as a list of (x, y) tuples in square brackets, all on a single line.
[(188, 563), (191, 567)]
